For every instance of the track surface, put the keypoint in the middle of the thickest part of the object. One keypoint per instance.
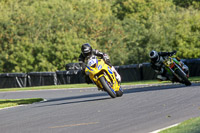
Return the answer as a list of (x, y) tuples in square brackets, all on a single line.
[(142, 109)]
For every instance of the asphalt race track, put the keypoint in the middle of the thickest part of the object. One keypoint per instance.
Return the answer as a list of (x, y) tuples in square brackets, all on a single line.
[(142, 109)]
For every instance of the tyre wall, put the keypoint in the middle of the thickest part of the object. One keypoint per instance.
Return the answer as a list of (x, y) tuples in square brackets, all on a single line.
[(73, 75)]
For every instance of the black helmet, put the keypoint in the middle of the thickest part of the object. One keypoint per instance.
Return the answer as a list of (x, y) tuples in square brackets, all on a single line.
[(154, 55), (86, 49)]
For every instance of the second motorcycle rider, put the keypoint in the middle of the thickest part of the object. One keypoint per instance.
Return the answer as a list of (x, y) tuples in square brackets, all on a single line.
[(156, 63)]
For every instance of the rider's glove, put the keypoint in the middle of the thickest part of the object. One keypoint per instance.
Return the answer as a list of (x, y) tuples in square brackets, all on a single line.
[(105, 57), (173, 53), (178, 58)]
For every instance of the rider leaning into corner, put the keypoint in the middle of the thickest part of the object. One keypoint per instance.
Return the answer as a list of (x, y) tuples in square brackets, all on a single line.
[(156, 63), (86, 53)]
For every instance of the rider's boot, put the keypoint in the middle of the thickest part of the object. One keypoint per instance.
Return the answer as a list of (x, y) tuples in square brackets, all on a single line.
[(118, 77), (185, 68), (162, 78)]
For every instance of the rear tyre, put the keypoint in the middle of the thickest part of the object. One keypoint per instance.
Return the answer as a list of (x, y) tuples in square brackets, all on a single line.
[(107, 88), (184, 78)]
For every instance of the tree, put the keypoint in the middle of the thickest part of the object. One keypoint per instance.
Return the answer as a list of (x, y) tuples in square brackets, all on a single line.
[(188, 3)]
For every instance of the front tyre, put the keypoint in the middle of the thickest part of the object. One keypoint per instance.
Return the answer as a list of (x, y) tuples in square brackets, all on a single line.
[(107, 88), (184, 78), (119, 93)]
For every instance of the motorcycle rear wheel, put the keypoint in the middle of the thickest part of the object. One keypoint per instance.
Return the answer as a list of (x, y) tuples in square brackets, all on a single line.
[(107, 88), (185, 79)]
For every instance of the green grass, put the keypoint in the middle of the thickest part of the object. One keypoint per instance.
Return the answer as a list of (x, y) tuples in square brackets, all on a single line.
[(145, 82), (189, 126), (194, 79), (14, 102), (49, 87), (66, 86)]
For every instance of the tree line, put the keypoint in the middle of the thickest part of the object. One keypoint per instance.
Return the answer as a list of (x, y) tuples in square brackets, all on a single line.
[(44, 35)]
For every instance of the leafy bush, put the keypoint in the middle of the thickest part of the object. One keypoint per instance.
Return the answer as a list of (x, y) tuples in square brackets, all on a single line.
[(44, 35)]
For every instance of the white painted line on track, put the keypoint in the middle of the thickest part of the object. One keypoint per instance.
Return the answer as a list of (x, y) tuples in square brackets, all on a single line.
[(157, 131), (44, 100)]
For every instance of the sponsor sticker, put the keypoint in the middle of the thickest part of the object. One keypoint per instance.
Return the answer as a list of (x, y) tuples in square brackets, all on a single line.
[(99, 67), (91, 62), (109, 70)]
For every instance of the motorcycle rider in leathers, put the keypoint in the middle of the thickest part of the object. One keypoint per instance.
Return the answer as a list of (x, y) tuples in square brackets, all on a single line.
[(86, 53), (156, 63)]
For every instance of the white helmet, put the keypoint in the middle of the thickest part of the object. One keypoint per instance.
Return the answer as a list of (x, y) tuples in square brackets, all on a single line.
[(154, 55)]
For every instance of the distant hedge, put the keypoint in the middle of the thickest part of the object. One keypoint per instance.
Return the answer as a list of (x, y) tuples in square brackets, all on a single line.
[(44, 35)]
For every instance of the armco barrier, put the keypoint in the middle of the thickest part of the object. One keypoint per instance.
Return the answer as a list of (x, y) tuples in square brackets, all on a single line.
[(194, 66), (11, 80), (41, 78), (129, 73), (147, 73), (70, 77)]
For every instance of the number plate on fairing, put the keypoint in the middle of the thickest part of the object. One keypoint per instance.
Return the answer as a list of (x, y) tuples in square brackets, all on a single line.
[(109, 70), (99, 67)]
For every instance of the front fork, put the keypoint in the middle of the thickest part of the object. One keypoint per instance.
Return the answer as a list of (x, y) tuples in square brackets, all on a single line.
[(173, 71)]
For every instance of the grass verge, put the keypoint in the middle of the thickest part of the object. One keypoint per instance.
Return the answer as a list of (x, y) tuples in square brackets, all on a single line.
[(189, 126), (193, 79), (14, 102)]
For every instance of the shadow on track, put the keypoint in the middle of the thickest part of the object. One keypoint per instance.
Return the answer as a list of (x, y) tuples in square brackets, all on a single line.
[(105, 96), (73, 102), (67, 99), (79, 97), (156, 88)]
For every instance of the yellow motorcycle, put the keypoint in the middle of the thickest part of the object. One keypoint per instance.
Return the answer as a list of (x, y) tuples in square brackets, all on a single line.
[(103, 77)]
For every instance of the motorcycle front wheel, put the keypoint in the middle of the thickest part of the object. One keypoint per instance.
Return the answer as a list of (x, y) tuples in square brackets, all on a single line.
[(119, 93), (107, 88), (184, 78)]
